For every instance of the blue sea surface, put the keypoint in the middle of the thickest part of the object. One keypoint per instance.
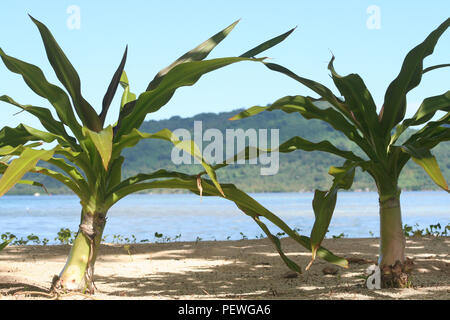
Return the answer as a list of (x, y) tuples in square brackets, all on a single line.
[(212, 218)]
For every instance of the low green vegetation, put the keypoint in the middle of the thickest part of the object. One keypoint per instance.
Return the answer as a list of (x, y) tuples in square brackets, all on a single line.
[(3, 245), (66, 236), (434, 230)]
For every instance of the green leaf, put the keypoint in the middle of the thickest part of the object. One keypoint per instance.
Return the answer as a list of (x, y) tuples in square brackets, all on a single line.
[(394, 107), (293, 144), (18, 167), (9, 150), (4, 244), (141, 177), (427, 161), (276, 242), (307, 107), (266, 45), (296, 143), (435, 67), (426, 111), (188, 146), (361, 105), (68, 182), (71, 171), (23, 134), (197, 54), (103, 143), (35, 79), (46, 118), (431, 134), (33, 183), (324, 202), (115, 173), (185, 74), (112, 88), (127, 96), (69, 78), (318, 88)]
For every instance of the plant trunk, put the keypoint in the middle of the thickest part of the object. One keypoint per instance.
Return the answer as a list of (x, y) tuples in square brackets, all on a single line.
[(394, 268), (77, 274)]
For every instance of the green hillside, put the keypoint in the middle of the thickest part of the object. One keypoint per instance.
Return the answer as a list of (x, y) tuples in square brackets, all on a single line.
[(298, 171)]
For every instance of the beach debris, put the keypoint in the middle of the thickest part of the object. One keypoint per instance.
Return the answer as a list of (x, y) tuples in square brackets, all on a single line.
[(330, 270), (409, 264), (290, 275), (374, 277), (205, 292), (359, 260)]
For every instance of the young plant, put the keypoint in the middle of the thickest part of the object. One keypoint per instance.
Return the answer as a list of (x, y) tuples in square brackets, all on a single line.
[(88, 153), (376, 136), (4, 244)]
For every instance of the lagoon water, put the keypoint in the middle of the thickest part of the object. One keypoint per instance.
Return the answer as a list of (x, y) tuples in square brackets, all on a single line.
[(212, 218)]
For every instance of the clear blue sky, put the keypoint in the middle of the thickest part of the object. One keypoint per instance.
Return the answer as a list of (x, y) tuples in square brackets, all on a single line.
[(158, 32)]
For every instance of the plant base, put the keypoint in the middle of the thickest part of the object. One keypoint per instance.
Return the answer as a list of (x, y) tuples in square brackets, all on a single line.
[(396, 275)]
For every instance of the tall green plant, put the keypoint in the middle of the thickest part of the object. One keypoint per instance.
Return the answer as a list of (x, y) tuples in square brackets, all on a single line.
[(376, 136), (88, 153)]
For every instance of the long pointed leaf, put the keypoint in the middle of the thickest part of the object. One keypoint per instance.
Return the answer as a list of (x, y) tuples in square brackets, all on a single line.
[(197, 54), (45, 117), (112, 88), (410, 75), (18, 167), (318, 88), (35, 79), (438, 66), (32, 183), (308, 109), (266, 45), (23, 134), (324, 202), (431, 134), (296, 143), (427, 161), (185, 74), (82, 194), (69, 78), (362, 106), (426, 111)]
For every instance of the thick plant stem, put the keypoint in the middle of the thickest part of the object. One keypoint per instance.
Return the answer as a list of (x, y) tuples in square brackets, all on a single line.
[(77, 274), (392, 244)]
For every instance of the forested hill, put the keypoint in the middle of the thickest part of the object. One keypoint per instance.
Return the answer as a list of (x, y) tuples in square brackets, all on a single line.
[(298, 171)]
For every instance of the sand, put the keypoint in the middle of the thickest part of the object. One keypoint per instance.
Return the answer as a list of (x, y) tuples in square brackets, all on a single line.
[(244, 269)]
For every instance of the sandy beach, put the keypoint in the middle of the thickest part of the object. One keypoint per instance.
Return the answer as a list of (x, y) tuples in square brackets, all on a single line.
[(244, 269)]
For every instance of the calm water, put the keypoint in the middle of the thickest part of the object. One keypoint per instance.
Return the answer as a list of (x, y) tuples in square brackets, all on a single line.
[(211, 218)]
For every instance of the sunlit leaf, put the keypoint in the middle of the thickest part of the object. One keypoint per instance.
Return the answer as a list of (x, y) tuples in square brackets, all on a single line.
[(103, 143), (427, 161), (18, 167)]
